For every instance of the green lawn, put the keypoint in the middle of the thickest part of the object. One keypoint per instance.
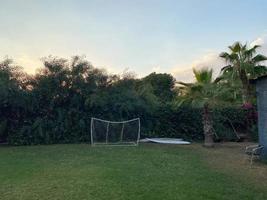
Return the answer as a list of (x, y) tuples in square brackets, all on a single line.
[(146, 172)]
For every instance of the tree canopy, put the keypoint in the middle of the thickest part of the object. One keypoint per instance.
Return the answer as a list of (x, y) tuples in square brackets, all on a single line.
[(55, 105), (243, 64)]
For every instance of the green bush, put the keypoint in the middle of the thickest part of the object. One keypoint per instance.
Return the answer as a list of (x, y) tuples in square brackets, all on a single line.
[(55, 106), (186, 122)]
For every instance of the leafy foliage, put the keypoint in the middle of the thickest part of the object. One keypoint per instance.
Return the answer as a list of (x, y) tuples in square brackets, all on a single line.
[(243, 64), (204, 91), (55, 105), (205, 94)]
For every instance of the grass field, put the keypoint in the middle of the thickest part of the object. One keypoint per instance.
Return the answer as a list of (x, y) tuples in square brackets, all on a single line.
[(149, 171)]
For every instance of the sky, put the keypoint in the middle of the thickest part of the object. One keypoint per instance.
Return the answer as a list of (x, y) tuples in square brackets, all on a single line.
[(143, 36)]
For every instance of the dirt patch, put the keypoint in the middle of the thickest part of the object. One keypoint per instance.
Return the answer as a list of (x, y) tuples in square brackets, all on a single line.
[(230, 157)]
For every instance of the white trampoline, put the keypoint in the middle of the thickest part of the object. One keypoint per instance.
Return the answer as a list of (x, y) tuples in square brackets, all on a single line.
[(165, 140)]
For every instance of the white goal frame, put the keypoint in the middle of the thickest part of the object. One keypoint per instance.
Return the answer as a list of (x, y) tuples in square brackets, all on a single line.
[(121, 135)]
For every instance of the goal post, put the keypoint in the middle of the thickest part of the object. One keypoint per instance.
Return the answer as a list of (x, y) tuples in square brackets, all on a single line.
[(117, 133)]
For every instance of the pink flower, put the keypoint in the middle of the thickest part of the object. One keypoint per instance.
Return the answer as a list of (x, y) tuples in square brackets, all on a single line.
[(247, 106)]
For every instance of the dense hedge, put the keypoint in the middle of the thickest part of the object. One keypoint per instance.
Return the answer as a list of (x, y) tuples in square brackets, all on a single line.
[(55, 105), (66, 126), (186, 122)]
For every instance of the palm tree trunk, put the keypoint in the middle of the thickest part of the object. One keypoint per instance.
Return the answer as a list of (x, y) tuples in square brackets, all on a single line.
[(207, 127), (247, 96), (246, 89)]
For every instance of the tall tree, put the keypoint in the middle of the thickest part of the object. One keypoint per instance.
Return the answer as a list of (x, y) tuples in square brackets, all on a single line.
[(204, 93), (243, 64), (162, 84), (12, 97)]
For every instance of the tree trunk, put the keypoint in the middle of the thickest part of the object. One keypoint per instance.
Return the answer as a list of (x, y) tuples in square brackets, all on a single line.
[(207, 127), (246, 89)]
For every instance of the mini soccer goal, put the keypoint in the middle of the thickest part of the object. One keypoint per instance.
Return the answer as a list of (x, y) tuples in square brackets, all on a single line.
[(120, 133)]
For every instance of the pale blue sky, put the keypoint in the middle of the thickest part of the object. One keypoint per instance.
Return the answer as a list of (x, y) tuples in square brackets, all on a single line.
[(142, 35)]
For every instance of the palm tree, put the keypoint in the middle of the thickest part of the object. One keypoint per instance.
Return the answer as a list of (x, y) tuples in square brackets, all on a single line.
[(204, 93), (243, 64)]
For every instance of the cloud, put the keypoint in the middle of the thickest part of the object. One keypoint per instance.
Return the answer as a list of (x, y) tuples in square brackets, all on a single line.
[(29, 64), (185, 75), (209, 60), (258, 41), (262, 41), (156, 69), (212, 60)]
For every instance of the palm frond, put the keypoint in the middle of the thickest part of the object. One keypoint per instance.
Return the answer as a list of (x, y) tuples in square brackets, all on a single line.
[(259, 58), (248, 53), (226, 68), (203, 75), (183, 83), (224, 55), (204, 91), (236, 47)]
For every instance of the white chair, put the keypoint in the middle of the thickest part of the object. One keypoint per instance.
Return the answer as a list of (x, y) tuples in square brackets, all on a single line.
[(253, 151)]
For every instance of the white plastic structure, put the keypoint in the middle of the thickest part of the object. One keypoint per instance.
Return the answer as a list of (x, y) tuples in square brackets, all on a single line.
[(117, 133), (167, 140)]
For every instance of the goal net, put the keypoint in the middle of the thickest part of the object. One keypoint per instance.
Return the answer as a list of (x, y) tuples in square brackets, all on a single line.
[(104, 132)]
